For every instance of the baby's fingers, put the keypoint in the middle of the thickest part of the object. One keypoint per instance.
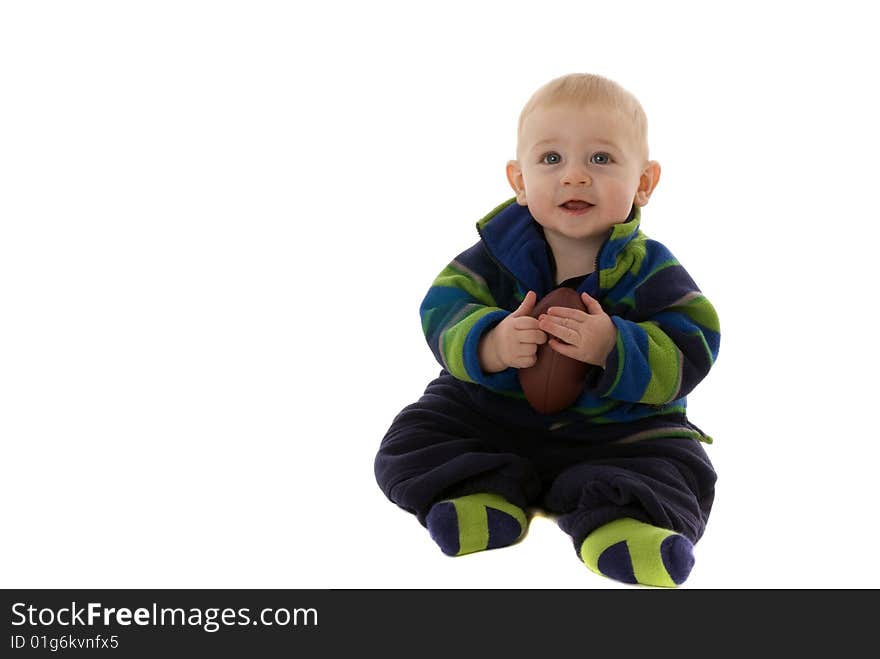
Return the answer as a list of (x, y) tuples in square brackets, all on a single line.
[(565, 349), (559, 329), (567, 312), (532, 337), (524, 323), (525, 361)]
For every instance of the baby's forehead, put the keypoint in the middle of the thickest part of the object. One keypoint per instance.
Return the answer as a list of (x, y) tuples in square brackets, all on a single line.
[(583, 118), (592, 122)]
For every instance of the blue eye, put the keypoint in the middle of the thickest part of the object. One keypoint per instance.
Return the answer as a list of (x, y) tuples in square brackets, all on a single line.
[(600, 155), (549, 158)]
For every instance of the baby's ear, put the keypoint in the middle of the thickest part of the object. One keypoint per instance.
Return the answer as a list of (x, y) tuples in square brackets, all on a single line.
[(515, 178), (647, 182)]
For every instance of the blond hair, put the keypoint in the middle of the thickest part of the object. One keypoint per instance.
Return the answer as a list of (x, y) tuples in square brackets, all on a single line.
[(584, 89)]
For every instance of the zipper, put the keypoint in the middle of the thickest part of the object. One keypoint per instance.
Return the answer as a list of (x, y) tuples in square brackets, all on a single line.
[(516, 279), (596, 261)]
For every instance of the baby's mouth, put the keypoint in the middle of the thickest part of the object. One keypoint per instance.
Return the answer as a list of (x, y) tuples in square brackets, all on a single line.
[(576, 205)]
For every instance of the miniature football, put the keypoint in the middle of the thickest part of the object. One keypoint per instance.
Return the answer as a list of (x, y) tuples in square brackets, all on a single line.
[(555, 381)]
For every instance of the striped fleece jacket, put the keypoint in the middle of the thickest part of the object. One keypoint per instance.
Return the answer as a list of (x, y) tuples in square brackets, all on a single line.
[(667, 331)]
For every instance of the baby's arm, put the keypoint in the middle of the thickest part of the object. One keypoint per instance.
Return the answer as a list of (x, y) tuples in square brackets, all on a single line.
[(470, 333), (667, 334)]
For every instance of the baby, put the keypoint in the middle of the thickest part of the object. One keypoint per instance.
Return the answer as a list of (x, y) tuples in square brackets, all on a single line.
[(622, 469)]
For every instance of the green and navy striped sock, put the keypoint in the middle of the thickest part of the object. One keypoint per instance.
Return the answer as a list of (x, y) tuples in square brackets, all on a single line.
[(475, 522), (634, 552)]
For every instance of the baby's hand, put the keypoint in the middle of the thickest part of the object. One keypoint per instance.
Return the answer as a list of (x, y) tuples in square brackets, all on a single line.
[(514, 341), (587, 337)]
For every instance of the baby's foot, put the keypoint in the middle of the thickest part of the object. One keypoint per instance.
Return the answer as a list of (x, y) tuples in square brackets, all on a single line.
[(475, 522), (634, 552)]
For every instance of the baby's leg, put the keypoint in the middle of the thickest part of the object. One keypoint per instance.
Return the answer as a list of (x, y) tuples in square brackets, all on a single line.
[(635, 513), (447, 464)]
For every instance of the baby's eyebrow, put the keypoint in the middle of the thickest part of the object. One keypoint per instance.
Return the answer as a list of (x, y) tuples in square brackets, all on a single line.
[(598, 140)]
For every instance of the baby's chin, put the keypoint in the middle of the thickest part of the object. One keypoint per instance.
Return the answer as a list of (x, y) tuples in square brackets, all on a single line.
[(590, 224), (555, 214)]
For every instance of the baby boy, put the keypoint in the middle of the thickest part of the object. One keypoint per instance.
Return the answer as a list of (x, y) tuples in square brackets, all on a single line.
[(622, 469)]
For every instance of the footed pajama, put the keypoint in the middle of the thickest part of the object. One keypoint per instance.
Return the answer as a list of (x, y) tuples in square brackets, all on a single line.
[(439, 448)]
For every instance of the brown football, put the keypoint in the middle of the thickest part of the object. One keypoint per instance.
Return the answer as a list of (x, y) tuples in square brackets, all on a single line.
[(555, 381)]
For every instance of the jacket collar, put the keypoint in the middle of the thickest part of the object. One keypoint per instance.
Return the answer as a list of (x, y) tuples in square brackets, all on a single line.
[(516, 242)]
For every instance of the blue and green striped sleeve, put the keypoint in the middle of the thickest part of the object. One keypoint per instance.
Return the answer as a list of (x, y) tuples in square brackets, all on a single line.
[(668, 333), (457, 311)]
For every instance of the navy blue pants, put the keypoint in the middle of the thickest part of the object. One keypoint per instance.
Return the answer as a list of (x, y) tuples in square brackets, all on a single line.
[(441, 447)]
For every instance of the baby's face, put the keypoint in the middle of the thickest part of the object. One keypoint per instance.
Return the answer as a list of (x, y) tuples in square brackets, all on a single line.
[(588, 154)]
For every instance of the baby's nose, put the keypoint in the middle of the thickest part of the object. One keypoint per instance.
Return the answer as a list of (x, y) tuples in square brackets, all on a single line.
[(576, 175)]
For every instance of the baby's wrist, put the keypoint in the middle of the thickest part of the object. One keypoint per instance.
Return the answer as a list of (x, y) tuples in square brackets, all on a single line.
[(488, 355), (610, 341)]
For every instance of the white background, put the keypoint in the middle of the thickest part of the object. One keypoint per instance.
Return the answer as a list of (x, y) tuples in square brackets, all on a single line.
[(219, 220)]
